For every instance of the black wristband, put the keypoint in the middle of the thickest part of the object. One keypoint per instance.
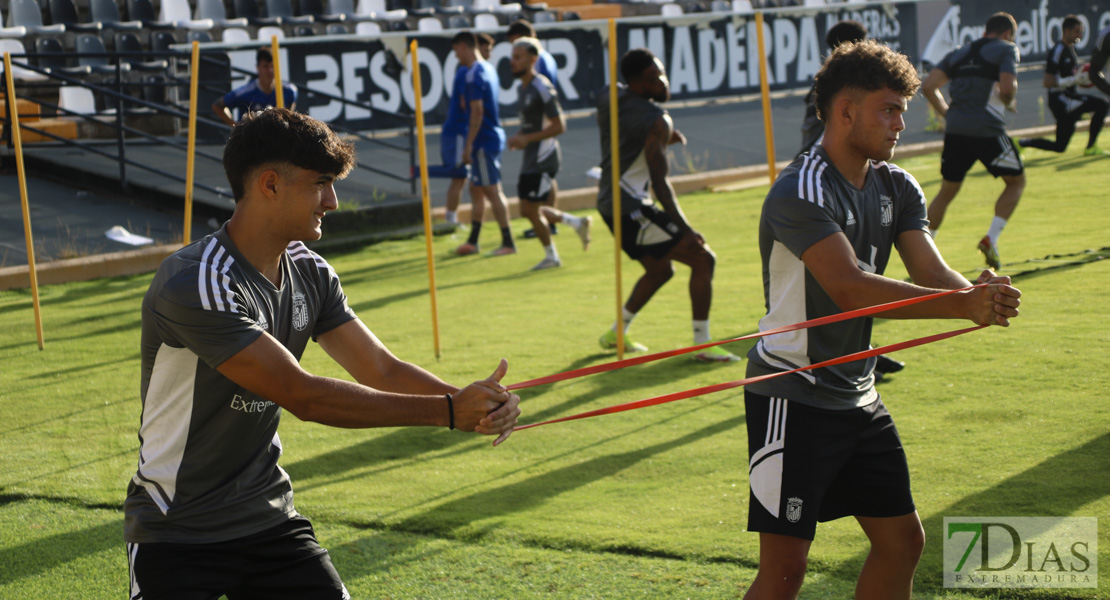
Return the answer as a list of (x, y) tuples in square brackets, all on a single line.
[(450, 412)]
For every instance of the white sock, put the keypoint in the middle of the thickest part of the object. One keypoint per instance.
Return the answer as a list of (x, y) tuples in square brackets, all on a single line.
[(626, 316), (452, 217), (572, 220), (701, 331), (933, 233), (551, 252), (996, 229)]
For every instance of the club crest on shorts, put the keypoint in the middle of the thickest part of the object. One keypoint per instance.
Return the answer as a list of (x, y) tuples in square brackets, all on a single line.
[(300, 312), (886, 206), (793, 509)]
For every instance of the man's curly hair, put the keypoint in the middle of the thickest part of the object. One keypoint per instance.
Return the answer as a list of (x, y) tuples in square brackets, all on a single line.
[(867, 66), (279, 136)]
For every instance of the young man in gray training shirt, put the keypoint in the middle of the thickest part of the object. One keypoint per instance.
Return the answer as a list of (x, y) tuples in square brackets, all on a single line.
[(821, 444), (224, 323)]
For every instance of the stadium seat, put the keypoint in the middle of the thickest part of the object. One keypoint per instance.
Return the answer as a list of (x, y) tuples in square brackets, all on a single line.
[(143, 12), (571, 15), (27, 14), (235, 36), (347, 8), (160, 41), (486, 21), (368, 28), (11, 32), (53, 57), (316, 9), (131, 52), (177, 12), (378, 10), (18, 72), (64, 12), (283, 9), (399, 26), (91, 53), (336, 29), (248, 9), (429, 24), (458, 22), (107, 13), (200, 37), (671, 10), (76, 99), (303, 31), (266, 32), (545, 16), (742, 6), (215, 11)]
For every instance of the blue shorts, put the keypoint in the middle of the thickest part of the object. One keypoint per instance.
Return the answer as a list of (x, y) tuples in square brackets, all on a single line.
[(485, 167), (451, 150)]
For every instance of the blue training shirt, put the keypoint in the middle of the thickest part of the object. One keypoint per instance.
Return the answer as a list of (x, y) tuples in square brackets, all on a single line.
[(547, 67), (483, 84), (249, 97), (458, 108)]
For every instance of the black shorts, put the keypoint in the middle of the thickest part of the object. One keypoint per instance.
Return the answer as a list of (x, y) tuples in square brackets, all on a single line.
[(646, 232), (808, 464), (998, 155), (534, 187), (281, 562)]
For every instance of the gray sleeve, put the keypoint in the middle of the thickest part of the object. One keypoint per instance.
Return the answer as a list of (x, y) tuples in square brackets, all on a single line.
[(798, 224), (912, 207), (214, 335), (552, 108), (1008, 57), (333, 303)]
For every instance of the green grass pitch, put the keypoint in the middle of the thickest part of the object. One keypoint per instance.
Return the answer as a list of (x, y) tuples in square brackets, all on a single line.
[(645, 504)]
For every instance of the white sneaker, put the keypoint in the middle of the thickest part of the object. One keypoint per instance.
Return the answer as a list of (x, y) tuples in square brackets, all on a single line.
[(583, 231), (547, 263)]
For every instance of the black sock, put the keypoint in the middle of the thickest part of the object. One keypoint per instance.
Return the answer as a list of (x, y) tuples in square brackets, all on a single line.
[(507, 237), (475, 229)]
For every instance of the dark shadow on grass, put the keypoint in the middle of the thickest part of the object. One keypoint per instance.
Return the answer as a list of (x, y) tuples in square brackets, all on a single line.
[(63, 417), (83, 368), (34, 557), (1058, 486), (530, 493), (380, 301)]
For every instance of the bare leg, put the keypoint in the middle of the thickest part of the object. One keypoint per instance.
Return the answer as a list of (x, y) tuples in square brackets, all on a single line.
[(692, 252), (531, 211), (1008, 200), (454, 194), (477, 203), (937, 208), (896, 545), (657, 271), (782, 567)]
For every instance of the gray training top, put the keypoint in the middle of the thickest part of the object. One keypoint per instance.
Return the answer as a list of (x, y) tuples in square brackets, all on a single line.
[(539, 106), (208, 455), (637, 115), (810, 201), (973, 71)]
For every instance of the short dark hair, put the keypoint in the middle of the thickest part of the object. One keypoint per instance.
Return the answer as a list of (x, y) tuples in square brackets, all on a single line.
[(263, 55), (845, 31), (1070, 21), (279, 136), (635, 62), (485, 39), (1001, 22), (465, 37), (868, 66), (522, 28)]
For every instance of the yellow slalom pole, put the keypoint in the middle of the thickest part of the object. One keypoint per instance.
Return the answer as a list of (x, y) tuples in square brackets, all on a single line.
[(765, 92), (615, 177), (190, 154), (418, 91), (278, 91), (17, 140)]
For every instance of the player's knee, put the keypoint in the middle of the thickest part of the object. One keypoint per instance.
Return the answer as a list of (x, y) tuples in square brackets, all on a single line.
[(786, 570), (661, 273)]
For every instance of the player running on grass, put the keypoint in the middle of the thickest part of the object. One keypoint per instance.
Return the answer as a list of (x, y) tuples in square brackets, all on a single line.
[(983, 76), (821, 443), (652, 236), (1061, 75), (209, 511), (541, 120)]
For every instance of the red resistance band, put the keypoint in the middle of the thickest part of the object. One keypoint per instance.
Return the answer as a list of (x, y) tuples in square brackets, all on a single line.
[(733, 384)]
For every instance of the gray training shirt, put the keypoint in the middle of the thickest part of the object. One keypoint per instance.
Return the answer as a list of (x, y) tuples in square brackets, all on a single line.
[(810, 201), (637, 115), (539, 106), (208, 455), (973, 71)]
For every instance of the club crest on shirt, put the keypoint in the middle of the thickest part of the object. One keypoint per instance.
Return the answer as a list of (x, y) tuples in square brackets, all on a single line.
[(300, 312), (793, 509), (263, 322), (886, 207)]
